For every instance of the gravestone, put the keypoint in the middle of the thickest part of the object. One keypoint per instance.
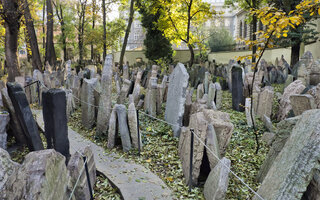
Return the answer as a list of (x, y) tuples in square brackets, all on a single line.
[(200, 91), (218, 98), (265, 102), (213, 145), (112, 129), (105, 102), (248, 112), (217, 182), (301, 103), (237, 89), (4, 120), (124, 91), (55, 121), (206, 82), (288, 81), (88, 102), (176, 97), (25, 117), (133, 126), (123, 127), (211, 95), (297, 163), (14, 123)]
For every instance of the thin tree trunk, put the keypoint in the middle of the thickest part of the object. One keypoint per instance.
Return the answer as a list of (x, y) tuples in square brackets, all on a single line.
[(12, 17), (36, 60), (104, 29), (50, 51), (28, 48), (59, 12), (81, 31), (43, 24), (254, 36), (125, 41), (191, 54), (93, 25)]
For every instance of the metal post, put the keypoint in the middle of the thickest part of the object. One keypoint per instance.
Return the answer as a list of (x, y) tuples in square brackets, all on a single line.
[(38, 90), (139, 147), (88, 176), (191, 160)]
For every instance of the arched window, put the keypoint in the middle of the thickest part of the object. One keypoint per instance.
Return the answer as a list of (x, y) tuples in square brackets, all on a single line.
[(240, 30), (245, 30)]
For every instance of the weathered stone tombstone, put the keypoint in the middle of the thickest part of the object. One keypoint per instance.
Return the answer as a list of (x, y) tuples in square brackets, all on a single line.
[(248, 112), (71, 105), (265, 102), (200, 91), (105, 102), (176, 97), (55, 121), (211, 95), (25, 117), (88, 102), (237, 89), (124, 91), (297, 163), (301, 103), (133, 126), (123, 127), (206, 82), (216, 185), (218, 97), (4, 120)]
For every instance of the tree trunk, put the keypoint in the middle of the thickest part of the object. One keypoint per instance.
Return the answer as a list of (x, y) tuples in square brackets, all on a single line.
[(104, 29), (93, 25), (12, 17), (254, 30), (191, 54), (50, 52), (43, 24), (125, 41), (295, 53), (36, 60)]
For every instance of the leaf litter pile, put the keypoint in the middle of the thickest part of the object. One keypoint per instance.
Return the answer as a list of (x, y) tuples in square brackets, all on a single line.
[(160, 155)]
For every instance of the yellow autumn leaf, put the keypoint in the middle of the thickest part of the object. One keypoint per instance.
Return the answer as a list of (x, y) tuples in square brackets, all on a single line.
[(148, 161), (169, 179), (285, 35)]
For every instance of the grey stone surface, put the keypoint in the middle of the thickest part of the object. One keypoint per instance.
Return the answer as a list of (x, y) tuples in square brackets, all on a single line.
[(267, 137), (267, 123), (43, 175), (217, 182), (206, 82), (285, 106), (7, 168), (88, 102), (296, 164), (248, 112), (237, 89), (133, 126), (112, 129), (123, 127), (218, 96), (200, 91), (120, 172), (265, 103), (211, 95), (213, 144), (105, 102), (124, 91), (176, 97), (223, 127), (284, 129), (4, 120), (301, 103)]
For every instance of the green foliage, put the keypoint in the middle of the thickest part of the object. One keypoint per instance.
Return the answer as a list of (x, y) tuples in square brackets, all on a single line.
[(202, 56), (221, 40), (158, 47)]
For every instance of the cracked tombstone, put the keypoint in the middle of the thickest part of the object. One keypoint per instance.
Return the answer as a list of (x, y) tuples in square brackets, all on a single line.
[(133, 126), (123, 127), (176, 97)]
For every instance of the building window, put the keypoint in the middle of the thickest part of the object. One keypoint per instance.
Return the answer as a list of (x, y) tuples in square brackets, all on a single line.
[(245, 30), (240, 30)]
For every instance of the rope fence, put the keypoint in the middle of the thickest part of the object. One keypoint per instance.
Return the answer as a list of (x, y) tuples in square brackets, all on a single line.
[(175, 125)]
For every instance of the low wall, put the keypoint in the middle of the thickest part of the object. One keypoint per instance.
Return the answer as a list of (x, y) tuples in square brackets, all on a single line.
[(131, 56)]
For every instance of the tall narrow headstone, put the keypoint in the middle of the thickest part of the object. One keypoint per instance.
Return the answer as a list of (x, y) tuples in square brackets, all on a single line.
[(265, 103), (55, 121), (211, 95), (176, 97), (123, 127), (218, 98), (25, 117), (237, 89), (88, 101), (248, 112), (105, 102), (4, 120)]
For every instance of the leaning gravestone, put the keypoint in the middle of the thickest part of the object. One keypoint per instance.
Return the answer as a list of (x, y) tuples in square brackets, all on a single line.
[(218, 97), (88, 101), (105, 102), (55, 121), (4, 120), (176, 97), (25, 117), (237, 89), (211, 95), (265, 102), (133, 126), (112, 129), (123, 127), (297, 163), (216, 184), (301, 103)]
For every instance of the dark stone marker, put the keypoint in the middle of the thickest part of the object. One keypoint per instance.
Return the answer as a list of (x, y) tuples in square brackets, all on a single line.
[(237, 89), (25, 117), (55, 121)]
